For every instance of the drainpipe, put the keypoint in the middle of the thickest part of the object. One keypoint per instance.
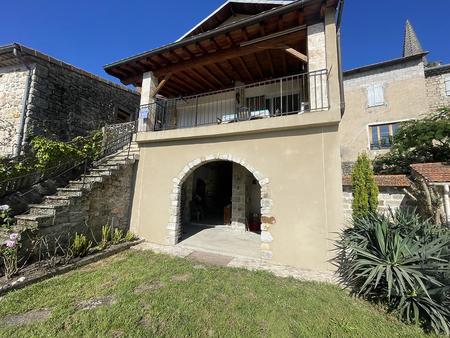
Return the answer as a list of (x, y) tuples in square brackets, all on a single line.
[(338, 35), (23, 112), (447, 202)]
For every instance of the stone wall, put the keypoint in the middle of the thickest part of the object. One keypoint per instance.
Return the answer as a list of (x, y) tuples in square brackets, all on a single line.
[(12, 86), (108, 203), (404, 99), (435, 83), (389, 198), (65, 103)]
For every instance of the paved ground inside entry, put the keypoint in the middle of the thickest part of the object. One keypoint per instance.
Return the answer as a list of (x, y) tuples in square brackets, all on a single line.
[(222, 241)]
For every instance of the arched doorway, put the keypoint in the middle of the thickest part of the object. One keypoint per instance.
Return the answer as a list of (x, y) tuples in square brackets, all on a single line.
[(226, 193)]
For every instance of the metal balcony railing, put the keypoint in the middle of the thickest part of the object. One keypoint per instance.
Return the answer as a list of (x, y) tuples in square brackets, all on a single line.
[(288, 95)]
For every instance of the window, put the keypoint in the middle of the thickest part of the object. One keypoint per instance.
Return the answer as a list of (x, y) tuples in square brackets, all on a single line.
[(375, 95), (381, 136), (447, 86)]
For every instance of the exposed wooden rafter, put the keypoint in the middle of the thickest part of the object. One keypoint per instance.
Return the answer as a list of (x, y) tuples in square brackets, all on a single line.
[(161, 85)]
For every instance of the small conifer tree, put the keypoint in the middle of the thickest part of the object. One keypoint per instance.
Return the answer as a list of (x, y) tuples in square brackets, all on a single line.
[(365, 190)]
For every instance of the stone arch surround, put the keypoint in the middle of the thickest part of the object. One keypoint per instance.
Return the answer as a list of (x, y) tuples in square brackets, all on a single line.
[(267, 219)]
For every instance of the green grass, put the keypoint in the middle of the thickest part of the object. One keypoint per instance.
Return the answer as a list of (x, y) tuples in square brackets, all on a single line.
[(213, 301)]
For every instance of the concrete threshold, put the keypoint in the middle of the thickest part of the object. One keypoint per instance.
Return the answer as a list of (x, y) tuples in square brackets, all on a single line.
[(233, 261)]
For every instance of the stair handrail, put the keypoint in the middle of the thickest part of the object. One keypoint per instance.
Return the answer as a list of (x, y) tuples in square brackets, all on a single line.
[(111, 143)]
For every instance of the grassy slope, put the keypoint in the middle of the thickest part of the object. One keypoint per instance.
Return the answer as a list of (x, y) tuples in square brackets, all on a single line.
[(202, 302)]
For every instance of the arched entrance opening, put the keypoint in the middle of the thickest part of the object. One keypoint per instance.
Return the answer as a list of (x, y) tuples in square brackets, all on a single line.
[(220, 208)]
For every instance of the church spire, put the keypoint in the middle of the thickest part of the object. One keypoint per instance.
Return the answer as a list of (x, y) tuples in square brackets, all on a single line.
[(411, 45)]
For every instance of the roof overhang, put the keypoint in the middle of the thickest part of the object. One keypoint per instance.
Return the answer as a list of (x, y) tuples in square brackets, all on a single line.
[(245, 51)]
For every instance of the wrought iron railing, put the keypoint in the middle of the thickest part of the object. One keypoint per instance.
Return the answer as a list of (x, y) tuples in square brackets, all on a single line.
[(288, 95), (115, 138)]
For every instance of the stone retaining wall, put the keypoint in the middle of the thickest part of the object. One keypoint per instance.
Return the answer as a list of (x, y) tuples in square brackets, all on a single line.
[(389, 198)]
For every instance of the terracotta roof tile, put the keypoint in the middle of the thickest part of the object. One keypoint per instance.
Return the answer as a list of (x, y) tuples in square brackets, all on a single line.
[(433, 172), (384, 181)]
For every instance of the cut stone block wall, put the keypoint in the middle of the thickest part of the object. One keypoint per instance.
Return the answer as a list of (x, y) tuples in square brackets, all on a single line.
[(389, 198), (435, 83), (238, 216), (12, 86), (65, 104)]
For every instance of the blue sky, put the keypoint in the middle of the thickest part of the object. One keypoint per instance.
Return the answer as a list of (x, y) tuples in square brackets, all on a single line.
[(92, 33)]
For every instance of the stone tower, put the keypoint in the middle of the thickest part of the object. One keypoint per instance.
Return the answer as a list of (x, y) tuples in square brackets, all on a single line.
[(411, 44)]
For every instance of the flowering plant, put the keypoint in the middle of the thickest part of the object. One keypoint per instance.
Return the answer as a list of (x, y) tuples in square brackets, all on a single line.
[(9, 254), (6, 219)]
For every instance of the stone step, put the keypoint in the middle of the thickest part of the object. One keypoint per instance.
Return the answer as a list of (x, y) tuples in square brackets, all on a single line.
[(35, 221), (46, 209), (87, 186), (57, 200), (74, 192), (94, 178), (108, 166), (102, 172)]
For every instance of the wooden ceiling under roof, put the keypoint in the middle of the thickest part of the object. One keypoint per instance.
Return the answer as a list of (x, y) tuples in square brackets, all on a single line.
[(268, 48)]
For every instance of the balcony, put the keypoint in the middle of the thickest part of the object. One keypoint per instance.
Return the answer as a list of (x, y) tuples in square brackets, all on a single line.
[(275, 98)]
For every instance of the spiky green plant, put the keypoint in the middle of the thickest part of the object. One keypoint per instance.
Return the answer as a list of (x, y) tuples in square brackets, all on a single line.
[(81, 245), (365, 190), (117, 236), (398, 260)]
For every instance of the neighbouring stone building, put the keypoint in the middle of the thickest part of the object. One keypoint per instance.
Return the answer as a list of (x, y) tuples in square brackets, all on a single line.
[(381, 96), (40, 95)]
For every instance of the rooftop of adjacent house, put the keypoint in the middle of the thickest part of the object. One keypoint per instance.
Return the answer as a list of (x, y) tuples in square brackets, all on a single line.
[(229, 45), (437, 69), (433, 172), (384, 64), (412, 50), (9, 58), (384, 181)]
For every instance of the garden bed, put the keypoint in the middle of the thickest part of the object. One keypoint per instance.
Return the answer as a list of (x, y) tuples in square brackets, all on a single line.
[(39, 271)]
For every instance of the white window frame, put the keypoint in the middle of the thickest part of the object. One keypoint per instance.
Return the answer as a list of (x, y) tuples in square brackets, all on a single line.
[(447, 86), (375, 95)]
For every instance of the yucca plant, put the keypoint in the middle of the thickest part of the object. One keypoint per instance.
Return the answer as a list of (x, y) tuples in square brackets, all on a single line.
[(401, 261)]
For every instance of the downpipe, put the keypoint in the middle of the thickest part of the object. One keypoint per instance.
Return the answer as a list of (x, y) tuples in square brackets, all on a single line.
[(341, 74), (23, 113)]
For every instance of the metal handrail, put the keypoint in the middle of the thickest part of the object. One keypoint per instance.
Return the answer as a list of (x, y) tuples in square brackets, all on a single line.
[(109, 147)]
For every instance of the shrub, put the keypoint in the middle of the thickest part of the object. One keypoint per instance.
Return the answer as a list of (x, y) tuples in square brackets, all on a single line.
[(81, 245), (365, 190), (401, 261), (106, 237), (9, 254), (6, 220), (129, 237), (117, 236)]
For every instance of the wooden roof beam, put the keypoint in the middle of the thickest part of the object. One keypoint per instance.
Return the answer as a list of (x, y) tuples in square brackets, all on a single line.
[(246, 48), (292, 51), (245, 68), (161, 85)]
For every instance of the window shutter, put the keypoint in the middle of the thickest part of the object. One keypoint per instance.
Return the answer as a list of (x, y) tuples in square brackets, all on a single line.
[(379, 95), (447, 86), (371, 96)]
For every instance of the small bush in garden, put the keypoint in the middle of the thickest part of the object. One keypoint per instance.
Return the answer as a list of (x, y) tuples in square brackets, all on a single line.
[(81, 245), (401, 261), (9, 254), (6, 220), (129, 237), (365, 190), (117, 236), (106, 237)]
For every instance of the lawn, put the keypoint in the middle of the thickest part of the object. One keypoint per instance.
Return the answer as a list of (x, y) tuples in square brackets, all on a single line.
[(141, 294)]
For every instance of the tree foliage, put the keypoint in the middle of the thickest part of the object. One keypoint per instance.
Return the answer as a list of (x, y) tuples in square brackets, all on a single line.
[(365, 190), (421, 141)]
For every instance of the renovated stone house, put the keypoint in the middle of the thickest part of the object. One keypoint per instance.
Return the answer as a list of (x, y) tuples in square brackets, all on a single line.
[(380, 96), (238, 128), (40, 95)]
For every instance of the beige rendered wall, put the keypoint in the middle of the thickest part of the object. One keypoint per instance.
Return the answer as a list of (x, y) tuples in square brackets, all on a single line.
[(303, 168), (405, 98)]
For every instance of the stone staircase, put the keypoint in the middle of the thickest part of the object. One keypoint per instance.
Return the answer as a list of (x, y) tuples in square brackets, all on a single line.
[(66, 211)]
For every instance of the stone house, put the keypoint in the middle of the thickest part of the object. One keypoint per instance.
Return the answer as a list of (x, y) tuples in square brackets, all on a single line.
[(380, 96), (40, 95), (238, 129)]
